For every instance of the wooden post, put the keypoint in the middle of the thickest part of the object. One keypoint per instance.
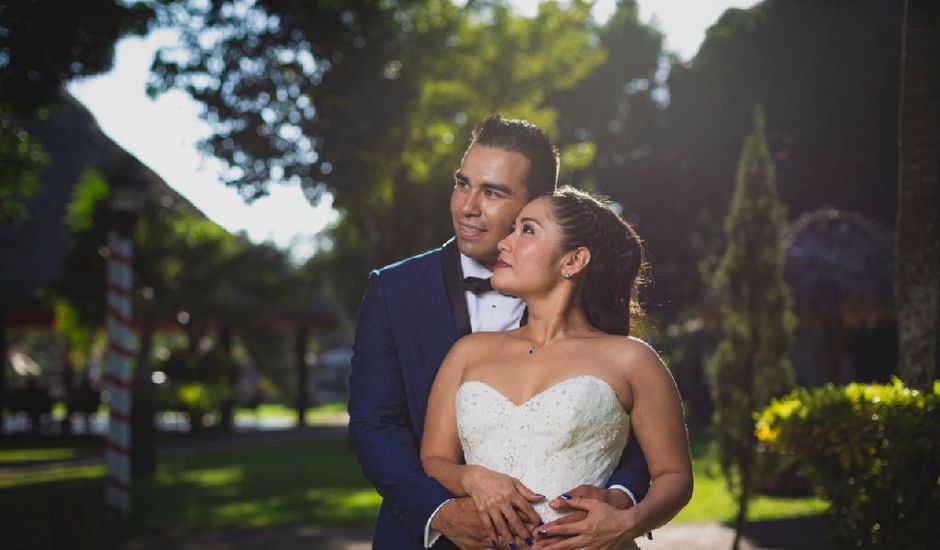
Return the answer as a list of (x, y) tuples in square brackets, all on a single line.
[(301, 363)]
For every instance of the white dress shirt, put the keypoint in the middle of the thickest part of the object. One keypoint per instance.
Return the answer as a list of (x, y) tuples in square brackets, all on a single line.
[(489, 311)]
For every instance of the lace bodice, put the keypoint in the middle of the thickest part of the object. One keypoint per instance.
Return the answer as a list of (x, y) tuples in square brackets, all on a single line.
[(571, 433)]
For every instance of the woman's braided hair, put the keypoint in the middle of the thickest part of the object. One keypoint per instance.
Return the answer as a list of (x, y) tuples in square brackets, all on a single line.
[(608, 285)]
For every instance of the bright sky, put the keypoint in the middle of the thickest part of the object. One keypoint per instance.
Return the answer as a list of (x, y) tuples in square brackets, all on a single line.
[(163, 133)]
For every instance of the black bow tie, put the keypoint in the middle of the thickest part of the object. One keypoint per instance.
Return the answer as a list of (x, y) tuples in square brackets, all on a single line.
[(476, 285)]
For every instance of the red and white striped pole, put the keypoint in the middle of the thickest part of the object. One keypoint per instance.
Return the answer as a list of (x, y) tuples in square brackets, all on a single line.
[(118, 377)]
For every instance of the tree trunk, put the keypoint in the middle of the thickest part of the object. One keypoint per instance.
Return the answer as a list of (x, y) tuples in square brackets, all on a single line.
[(746, 459), (4, 357), (917, 279), (227, 406), (833, 344), (300, 352), (68, 371), (195, 330), (743, 498), (143, 456)]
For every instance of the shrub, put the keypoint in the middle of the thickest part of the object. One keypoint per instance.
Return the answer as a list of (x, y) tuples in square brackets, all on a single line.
[(874, 453)]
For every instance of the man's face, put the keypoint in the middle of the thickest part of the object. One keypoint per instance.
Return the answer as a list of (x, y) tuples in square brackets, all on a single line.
[(489, 192)]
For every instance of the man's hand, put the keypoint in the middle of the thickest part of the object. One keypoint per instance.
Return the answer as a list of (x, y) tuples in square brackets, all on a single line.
[(459, 521)]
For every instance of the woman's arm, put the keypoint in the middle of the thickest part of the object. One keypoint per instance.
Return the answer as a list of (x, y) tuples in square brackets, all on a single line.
[(441, 454), (658, 424), (500, 499)]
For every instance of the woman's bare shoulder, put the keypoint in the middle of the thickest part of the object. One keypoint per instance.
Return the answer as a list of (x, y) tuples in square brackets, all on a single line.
[(632, 352), (476, 343)]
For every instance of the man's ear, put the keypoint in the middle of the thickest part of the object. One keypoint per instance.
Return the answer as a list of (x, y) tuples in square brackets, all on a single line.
[(576, 261)]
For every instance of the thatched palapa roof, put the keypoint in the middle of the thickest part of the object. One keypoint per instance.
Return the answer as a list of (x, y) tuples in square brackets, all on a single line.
[(32, 252), (840, 267)]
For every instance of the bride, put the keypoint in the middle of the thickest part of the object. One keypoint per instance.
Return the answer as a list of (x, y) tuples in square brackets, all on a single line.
[(516, 417)]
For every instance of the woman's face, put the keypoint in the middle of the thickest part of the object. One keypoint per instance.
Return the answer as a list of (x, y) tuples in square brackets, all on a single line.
[(529, 259)]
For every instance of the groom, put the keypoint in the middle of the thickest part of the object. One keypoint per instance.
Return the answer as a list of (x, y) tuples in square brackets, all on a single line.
[(411, 315)]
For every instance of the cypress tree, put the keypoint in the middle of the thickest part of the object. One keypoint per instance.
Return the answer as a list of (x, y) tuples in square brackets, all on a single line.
[(749, 366)]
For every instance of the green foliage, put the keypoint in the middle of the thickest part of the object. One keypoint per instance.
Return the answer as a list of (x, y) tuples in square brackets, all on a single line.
[(749, 366), (181, 259), (46, 43), (612, 107), (89, 193), (873, 451), (21, 158), (43, 45), (79, 335), (384, 105), (196, 382), (197, 398)]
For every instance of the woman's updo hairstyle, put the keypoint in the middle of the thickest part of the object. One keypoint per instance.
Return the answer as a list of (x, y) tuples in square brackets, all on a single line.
[(608, 285)]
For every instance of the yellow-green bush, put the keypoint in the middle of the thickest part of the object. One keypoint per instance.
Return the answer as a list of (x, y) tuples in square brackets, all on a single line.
[(873, 451), (196, 384)]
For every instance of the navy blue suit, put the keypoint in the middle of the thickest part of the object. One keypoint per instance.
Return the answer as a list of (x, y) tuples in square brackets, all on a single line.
[(411, 315)]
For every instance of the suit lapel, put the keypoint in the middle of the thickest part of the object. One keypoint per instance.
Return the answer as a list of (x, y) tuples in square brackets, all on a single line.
[(453, 274)]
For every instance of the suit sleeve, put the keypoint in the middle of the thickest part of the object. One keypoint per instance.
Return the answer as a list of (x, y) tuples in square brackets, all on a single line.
[(383, 438), (632, 471)]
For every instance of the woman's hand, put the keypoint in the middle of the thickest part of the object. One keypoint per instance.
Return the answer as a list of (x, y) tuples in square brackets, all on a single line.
[(503, 503), (603, 528), (615, 497)]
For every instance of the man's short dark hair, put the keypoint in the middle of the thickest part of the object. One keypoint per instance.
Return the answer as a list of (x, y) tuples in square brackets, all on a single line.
[(527, 139)]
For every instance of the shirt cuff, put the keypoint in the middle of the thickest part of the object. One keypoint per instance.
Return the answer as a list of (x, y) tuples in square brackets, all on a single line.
[(431, 535), (625, 490), (649, 534)]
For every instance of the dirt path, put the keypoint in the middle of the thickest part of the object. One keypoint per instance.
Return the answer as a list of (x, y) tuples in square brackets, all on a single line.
[(796, 533)]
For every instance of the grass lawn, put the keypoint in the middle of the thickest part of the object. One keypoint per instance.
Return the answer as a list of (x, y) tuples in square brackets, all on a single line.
[(9, 456), (711, 500), (21, 448), (278, 411), (311, 482)]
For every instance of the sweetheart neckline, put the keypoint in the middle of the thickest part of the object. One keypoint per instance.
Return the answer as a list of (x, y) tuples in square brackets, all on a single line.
[(603, 382)]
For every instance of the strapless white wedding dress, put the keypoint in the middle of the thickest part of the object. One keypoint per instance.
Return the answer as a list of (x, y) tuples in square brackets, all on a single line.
[(571, 433)]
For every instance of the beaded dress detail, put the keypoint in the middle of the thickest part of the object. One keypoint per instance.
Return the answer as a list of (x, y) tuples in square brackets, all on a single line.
[(571, 433)]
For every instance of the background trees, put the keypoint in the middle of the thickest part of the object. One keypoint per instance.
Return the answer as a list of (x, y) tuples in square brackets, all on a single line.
[(826, 73), (750, 365), (373, 102), (38, 54)]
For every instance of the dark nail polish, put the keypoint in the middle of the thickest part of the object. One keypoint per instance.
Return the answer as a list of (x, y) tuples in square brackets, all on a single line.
[(541, 523), (566, 496), (495, 546), (528, 540), (542, 533), (512, 546), (539, 495), (649, 535)]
